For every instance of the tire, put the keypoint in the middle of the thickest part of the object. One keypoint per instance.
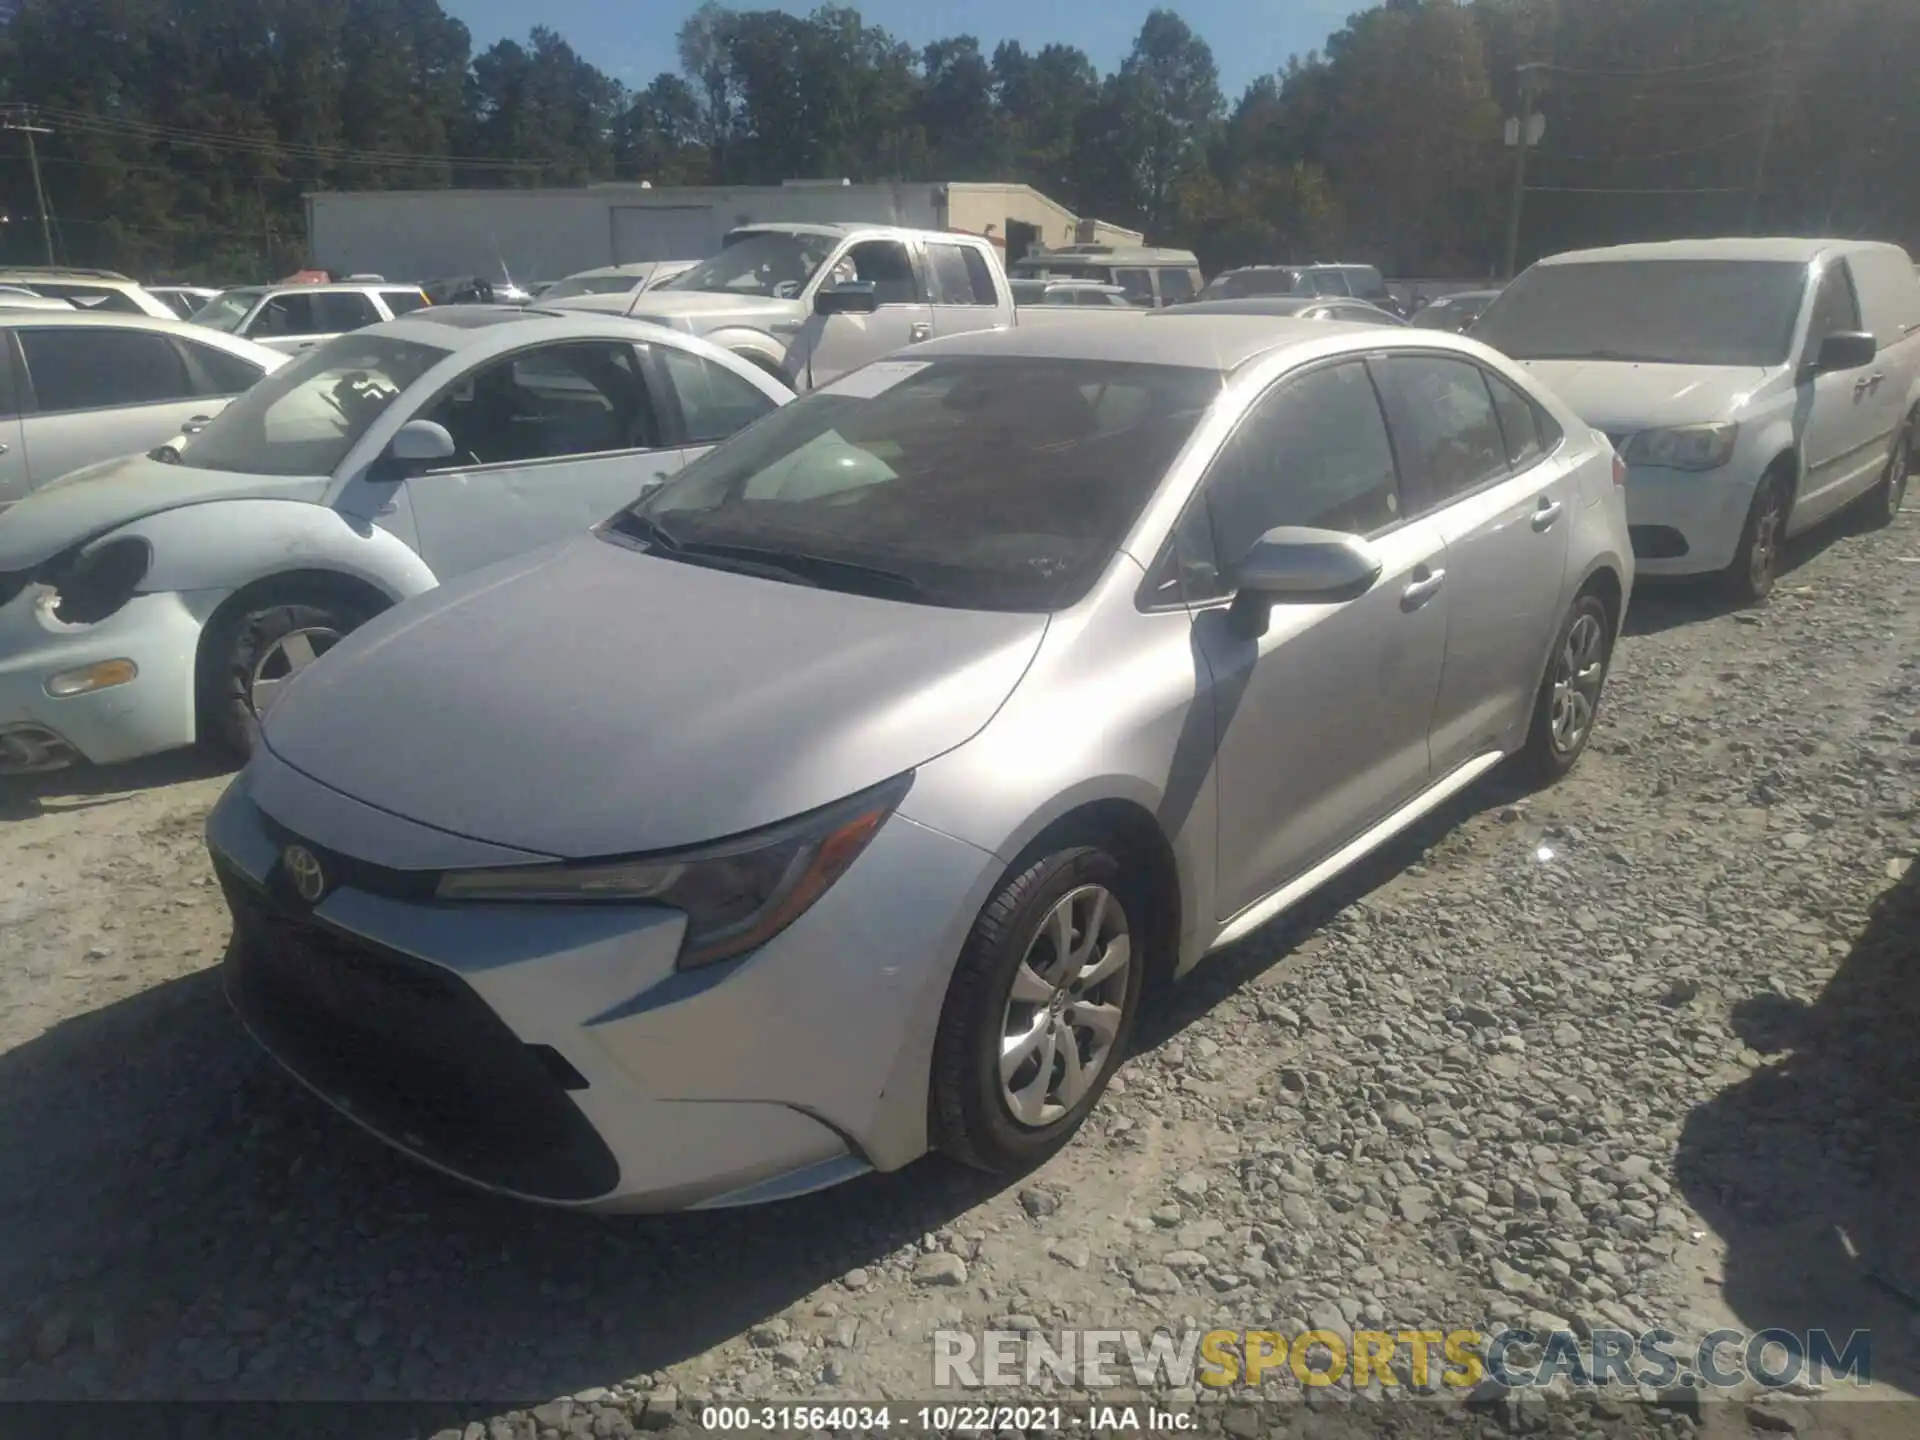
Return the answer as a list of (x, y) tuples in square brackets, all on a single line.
[(1882, 504), (1567, 707), (261, 641), (1756, 564), (1011, 1127)]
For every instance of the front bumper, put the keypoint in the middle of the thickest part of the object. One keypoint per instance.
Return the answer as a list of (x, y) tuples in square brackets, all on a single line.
[(1685, 522), (148, 714), (553, 1053)]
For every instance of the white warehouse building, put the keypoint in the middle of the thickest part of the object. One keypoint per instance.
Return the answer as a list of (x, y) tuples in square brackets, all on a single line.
[(531, 235)]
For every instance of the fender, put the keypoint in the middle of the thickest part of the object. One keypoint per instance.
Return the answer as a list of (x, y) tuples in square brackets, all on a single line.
[(744, 340), (228, 544)]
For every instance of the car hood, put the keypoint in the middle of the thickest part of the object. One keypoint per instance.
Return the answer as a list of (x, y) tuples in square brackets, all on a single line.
[(103, 497), (589, 700), (1622, 397), (709, 310)]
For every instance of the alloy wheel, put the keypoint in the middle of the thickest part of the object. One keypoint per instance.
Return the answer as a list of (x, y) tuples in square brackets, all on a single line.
[(285, 658), (1578, 673), (1765, 553), (1064, 1009)]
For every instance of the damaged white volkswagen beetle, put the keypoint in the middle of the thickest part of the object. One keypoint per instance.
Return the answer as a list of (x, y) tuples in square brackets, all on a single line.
[(152, 601)]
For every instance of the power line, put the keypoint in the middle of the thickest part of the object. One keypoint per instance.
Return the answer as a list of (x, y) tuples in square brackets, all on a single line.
[(26, 126), (1635, 190), (1691, 150), (1768, 50)]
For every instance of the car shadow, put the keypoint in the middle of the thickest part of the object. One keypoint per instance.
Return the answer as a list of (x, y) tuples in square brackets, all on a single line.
[(1809, 1169), (81, 787)]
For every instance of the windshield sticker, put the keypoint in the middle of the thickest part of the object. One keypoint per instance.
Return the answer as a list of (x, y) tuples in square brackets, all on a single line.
[(875, 379)]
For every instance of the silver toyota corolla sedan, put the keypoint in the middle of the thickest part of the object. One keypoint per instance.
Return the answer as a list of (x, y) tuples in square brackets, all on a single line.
[(840, 799)]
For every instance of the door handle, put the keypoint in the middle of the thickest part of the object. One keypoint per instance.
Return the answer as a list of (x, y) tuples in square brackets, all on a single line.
[(3, 448), (1548, 512), (921, 331), (1425, 586), (1860, 385), (1875, 379)]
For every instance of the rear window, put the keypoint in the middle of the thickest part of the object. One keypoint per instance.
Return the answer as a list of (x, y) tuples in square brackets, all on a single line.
[(102, 298), (1241, 285), (403, 302), (1675, 312)]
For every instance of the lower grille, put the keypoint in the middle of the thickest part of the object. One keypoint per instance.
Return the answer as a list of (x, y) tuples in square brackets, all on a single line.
[(1657, 542), (411, 1051)]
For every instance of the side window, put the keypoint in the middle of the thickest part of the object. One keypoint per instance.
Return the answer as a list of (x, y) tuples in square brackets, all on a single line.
[(95, 369), (342, 310), (713, 400), (980, 274), (1139, 286), (580, 398), (1443, 418), (9, 398), (1329, 282), (283, 315), (1517, 423), (215, 372), (886, 265), (1175, 285), (1188, 573), (1835, 310), (403, 302), (1313, 451), (953, 281)]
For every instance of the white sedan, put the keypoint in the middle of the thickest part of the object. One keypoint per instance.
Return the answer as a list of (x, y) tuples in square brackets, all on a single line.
[(151, 601)]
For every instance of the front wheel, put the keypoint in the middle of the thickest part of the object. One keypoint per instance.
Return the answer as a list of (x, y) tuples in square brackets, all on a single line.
[(250, 654), (1756, 564), (1569, 700), (1039, 1011), (1884, 500)]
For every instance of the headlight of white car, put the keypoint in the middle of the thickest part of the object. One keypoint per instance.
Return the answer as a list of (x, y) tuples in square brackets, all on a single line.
[(737, 894), (1685, 447)]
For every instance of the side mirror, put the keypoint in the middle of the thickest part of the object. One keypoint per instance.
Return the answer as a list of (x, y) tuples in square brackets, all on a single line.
[(1294, 564), (853, 297), (1846, 350), (418, 445)]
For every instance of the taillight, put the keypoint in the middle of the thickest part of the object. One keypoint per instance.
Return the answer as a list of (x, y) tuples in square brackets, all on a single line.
[(1619, 471)]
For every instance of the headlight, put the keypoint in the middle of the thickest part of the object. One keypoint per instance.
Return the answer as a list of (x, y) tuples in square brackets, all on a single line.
[(100, 581), (737, 894), (1686, 447)]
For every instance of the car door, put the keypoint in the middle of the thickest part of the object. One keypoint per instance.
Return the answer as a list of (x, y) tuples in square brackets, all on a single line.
[(14, 479), (99, 391), (1321, 722), (835, 344), (964, 297), (1504, 507), (548, 441), (1841, 444)]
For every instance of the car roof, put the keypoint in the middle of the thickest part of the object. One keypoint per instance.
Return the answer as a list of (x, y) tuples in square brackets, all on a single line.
[(1221, 343), (460, 327), (1258, 305), (1776, 248), (67, 319), (1110, 255)]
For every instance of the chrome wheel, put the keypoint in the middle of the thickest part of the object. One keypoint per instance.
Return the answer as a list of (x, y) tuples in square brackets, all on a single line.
[(1897, 470), (285, 658), (1765, 552), (1578, 673), (1064, 1009)]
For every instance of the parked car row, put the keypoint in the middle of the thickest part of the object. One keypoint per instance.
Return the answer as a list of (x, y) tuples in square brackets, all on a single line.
[(628, 735)]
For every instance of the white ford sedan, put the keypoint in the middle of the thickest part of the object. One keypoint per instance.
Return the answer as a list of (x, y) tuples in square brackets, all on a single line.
[(151, 601)]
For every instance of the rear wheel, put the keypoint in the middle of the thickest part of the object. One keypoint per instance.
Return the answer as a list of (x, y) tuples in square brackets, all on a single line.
[(1568, 704), (1884, 500), (1756, 564), (1039, 1011), (252, 651)]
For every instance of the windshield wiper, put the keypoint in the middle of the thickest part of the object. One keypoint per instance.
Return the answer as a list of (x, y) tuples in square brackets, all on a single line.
[(817, 569)]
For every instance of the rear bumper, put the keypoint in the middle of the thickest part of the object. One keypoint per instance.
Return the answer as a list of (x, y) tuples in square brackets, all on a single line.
[(152, 712)]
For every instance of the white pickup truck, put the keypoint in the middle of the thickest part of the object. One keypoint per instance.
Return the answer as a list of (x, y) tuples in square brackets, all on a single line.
[(1753, 387), (808, 303)]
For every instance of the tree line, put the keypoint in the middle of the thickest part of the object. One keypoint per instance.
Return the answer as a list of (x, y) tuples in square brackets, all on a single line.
[(177, 137)]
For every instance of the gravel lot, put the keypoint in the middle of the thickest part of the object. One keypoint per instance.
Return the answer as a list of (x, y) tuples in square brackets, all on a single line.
[(1638, 1049)]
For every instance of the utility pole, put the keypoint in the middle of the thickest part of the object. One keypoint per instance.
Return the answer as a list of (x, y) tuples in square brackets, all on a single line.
[(1523, 139), (27, 128), (1775, 81)]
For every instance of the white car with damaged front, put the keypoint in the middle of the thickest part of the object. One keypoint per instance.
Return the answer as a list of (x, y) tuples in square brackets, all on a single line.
[(152, 601)]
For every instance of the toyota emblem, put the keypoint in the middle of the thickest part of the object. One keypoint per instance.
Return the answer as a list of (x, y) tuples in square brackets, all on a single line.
[(303, 869)]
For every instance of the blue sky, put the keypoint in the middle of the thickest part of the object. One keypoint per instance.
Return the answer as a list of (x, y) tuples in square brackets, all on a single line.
[(634, 42)]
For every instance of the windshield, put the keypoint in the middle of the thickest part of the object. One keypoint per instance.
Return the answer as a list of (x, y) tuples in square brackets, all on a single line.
[(306, 416), (987, 484), (1063, 270), (227, 309), (1674, 312), (1240, 285), (591, 285), (772, 263)]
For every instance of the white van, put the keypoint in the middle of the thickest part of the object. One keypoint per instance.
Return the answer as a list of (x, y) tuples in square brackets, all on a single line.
[(1754, 387)]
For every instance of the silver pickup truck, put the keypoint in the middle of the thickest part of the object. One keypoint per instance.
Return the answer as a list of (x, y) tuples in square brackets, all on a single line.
[(808, 303)]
